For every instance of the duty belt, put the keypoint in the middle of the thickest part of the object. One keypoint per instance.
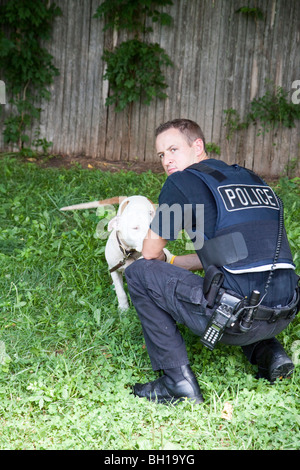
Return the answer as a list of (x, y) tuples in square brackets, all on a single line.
[(271, 315), (227, 308)]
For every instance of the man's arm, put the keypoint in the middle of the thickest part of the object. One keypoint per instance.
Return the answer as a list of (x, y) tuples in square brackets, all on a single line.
[(153, 249), (190, 262), (153, 246)]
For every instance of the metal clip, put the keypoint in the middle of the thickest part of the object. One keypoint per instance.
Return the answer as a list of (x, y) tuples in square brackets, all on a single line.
[(275, 315)]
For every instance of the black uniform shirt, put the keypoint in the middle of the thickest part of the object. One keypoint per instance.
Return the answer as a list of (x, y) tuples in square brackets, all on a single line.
[(184, 187)]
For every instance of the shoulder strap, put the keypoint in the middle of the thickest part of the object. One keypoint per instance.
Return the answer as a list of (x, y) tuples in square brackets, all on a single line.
[(204, 168)]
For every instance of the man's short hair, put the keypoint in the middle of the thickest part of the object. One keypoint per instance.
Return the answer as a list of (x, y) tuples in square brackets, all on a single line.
[(190, 129)]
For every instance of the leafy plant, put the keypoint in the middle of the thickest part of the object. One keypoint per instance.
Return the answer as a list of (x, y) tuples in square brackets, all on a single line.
[(211, 147), (27, 65), (233, 122), (271, 111), (130, 14), (289, 191), (255, 13), (134, 68), (134, 71)]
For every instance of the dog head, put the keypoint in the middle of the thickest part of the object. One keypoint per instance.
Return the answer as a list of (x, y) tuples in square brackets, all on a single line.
[(132, 221)]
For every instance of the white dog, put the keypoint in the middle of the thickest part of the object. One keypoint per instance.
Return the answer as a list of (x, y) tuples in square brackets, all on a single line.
[(128, 230)]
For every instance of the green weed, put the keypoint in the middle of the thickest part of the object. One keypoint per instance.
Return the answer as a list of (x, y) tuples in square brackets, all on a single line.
[(68, 358)]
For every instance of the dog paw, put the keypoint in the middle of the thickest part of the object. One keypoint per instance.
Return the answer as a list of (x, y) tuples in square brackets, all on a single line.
[(123, 307)]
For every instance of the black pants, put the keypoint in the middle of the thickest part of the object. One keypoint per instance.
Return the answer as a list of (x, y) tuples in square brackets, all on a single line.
[(164, 295)]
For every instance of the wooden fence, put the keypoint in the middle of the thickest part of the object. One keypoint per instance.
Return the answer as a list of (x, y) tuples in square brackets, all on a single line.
[(222, 60)]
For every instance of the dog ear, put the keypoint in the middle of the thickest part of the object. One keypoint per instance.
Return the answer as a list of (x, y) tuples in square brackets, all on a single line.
[(90, 205), (153, 208), (152, 214), (112, 200), (123, 204), (112, 224)]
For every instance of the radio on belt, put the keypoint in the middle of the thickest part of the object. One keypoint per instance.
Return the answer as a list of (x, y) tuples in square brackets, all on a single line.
[(222, 317)]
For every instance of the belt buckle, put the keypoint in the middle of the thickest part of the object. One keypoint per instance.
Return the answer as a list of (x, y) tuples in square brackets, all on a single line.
[(292, 313), (275, 315)]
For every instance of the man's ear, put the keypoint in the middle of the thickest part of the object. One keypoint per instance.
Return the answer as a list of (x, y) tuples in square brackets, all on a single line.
[(199, 146)]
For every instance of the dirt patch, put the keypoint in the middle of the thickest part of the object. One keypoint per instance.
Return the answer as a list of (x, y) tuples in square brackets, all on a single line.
[(66, 161)]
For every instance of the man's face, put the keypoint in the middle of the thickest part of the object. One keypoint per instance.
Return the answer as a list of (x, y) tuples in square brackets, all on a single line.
[(175, 152)]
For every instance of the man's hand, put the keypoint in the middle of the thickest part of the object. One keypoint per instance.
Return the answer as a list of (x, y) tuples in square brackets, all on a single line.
[(153, 246)]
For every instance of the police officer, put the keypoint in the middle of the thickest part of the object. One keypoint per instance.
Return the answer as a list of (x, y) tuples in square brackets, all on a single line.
[(245, 251)]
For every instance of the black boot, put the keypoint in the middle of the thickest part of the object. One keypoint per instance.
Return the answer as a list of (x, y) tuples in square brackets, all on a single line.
[(166, 390), (272, 360)]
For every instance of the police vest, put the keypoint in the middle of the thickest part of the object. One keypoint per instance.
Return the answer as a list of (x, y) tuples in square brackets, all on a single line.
[(247, 226)]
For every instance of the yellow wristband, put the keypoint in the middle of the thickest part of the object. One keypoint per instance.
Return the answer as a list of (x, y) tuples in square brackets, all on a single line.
[(172, 259)]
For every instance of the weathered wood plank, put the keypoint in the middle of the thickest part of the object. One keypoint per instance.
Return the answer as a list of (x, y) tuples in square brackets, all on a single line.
[(221, 60)]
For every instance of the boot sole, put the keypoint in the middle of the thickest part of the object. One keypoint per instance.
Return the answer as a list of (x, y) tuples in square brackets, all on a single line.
[(172, 400), (175, 400), (283, 371)]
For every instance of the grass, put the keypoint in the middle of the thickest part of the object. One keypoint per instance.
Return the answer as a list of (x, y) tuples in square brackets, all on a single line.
[(68, 358)]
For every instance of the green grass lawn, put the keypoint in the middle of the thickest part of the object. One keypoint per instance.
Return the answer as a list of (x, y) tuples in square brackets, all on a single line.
[(68, 358)]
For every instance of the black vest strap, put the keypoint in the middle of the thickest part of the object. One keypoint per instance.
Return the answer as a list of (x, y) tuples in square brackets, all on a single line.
[(202, 167)]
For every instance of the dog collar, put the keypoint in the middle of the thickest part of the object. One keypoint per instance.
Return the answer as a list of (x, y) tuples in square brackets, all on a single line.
[(126, 253)]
